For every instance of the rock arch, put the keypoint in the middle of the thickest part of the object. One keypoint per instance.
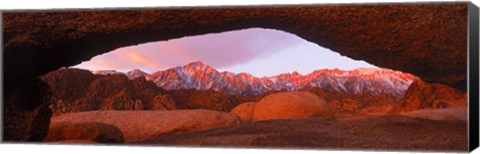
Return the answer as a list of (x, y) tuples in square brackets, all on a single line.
[(428, 40)]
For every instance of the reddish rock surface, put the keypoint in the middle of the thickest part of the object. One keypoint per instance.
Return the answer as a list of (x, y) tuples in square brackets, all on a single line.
[(291, 105), (422, 95), (89, 132), (244, 111), (141, 125)]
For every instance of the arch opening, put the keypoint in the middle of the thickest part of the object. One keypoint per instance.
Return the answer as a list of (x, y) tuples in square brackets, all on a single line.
[(255, 57), (233, 66)]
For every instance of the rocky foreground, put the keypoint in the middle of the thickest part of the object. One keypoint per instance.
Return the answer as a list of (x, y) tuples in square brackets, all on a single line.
[(219, 129), (386, 132), (282, 120)]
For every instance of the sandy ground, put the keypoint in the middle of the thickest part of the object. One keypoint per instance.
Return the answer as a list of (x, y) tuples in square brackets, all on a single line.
[(374, 133)]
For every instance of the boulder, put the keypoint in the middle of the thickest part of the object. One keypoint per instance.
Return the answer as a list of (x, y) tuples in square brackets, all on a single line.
[(85, 132), (244, 111), (291, 105), (423, 95), (141, 125)]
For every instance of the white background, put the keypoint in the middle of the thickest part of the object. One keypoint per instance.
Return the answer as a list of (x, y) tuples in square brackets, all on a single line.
[(83, 149)]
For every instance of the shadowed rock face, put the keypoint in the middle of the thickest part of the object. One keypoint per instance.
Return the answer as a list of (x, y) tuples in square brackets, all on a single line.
[(26, 115), (428, 40)]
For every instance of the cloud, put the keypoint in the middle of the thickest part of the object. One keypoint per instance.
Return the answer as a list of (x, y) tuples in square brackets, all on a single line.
[(220, 50)]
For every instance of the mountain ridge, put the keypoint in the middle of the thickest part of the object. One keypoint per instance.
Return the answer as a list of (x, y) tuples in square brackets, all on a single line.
[(197, 75)]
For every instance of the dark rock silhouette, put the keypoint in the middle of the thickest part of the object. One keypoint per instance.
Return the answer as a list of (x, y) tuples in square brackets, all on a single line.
[(26, 112)]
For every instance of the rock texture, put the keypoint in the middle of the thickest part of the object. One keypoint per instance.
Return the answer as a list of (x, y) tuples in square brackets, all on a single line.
[(244, 111), (423, 95), (291, 105), (76, 90), (88, 131), (141, 125), (26, 112)]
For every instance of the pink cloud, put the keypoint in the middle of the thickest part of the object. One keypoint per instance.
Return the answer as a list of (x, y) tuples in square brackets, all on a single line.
[(219, 50)]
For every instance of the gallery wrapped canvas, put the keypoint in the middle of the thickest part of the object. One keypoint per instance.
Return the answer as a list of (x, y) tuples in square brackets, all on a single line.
[(379, 76)]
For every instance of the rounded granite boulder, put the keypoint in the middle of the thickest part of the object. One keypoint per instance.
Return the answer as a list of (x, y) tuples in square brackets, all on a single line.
[(244, 111), (291, 105)]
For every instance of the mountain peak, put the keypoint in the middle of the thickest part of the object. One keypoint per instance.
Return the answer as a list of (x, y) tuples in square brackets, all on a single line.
[(295, 73), (137, 70), (135, 73), (197, 63)]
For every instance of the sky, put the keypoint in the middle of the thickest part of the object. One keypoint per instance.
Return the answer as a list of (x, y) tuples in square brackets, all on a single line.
[(260, 52)]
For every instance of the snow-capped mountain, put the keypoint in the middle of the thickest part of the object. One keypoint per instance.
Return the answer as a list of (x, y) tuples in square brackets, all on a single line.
[(135, 73), (197, 75)]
